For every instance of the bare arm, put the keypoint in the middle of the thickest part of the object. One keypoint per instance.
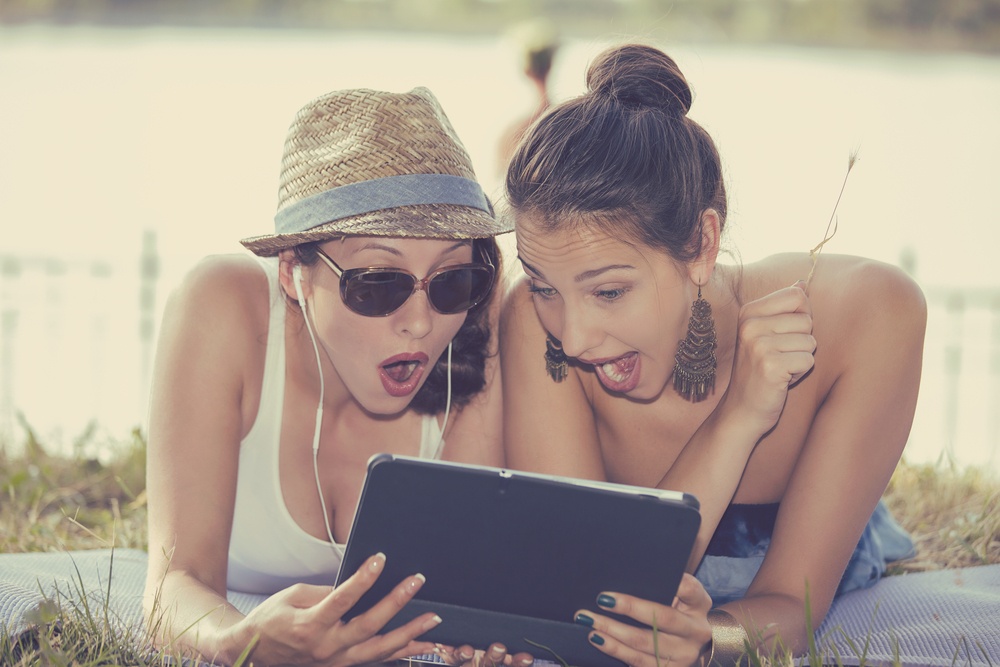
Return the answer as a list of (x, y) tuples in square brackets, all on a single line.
[(852, 448), (195, 427)]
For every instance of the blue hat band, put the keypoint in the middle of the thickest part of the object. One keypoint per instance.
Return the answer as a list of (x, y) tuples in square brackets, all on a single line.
[(378, 194)]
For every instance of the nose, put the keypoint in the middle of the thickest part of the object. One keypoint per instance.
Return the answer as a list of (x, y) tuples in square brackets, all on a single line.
[(415, 317), (579, 333)]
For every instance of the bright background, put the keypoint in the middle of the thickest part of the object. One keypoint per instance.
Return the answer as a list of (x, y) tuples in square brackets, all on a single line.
[(117, 143)]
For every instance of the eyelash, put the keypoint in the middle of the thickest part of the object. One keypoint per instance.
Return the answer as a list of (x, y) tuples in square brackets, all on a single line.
[(611, 294), (608, 295), (544, 292)]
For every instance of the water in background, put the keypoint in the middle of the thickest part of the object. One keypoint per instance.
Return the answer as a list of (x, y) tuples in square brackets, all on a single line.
[(105, 134)]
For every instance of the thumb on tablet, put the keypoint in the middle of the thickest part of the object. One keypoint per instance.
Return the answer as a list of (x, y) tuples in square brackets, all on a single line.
[(691, 595)]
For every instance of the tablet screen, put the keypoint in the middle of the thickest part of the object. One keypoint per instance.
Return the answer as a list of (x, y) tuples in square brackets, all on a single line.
[(516, 544)]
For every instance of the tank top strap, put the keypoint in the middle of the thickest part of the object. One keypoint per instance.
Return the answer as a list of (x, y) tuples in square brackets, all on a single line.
[(431, 437)]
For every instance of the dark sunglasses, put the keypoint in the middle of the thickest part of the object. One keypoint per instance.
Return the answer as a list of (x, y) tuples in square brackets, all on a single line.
[(377, 292)]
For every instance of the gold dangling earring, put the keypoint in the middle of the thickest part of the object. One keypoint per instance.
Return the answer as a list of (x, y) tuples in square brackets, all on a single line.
[(694, 363), (556, 364)]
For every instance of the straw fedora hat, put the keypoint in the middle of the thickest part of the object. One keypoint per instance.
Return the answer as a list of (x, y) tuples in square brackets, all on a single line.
[(372, 163)]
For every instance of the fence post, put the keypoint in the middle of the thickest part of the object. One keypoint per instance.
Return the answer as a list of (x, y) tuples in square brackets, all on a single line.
[(10, 269), (149, 271), (993, 433), (952, 370)]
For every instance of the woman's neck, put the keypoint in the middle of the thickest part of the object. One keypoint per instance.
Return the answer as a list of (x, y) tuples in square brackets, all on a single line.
[(723, 294), (302, 360)]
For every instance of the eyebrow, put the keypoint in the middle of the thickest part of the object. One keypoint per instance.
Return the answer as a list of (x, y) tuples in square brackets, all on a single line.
[(579, 278), (593, 273), (374, 245), (530, 267)]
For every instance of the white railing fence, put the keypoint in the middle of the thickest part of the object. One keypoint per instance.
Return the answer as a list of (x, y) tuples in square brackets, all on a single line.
[(77, 337), (958, 413), (76, 343)]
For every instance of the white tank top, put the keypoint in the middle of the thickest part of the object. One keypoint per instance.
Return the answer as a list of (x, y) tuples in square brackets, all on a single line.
[(268, 551)]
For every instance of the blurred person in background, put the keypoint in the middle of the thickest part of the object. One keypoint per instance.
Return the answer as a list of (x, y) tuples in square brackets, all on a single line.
[(538, 43)]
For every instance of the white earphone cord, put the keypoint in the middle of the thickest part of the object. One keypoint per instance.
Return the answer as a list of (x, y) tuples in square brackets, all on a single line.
[(447, 410), (297, 274)]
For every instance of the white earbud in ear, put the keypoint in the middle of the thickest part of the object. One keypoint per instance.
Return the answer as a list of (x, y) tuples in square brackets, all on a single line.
[(297, 279)]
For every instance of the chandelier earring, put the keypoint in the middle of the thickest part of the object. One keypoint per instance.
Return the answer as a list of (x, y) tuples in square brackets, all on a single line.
[(694, 363), (556, 363)]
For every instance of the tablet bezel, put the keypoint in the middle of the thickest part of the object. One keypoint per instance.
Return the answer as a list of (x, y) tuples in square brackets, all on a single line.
[(510, 556)]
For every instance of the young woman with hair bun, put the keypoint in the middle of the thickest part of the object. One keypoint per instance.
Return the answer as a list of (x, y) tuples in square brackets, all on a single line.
[(631, 354)]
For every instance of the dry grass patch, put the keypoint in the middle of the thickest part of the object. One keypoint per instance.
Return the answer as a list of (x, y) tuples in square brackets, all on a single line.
[(952, 513)]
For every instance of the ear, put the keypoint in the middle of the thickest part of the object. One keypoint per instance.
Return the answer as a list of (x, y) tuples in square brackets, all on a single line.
[(287, 261), (701, 267)]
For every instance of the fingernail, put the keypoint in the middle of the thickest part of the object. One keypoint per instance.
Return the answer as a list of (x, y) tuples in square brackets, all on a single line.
[(417, 581), (497, 652), (597, 639), (606, 601), (583, 619), (376, 562), (465, 655), (526, 661), (430, 623)]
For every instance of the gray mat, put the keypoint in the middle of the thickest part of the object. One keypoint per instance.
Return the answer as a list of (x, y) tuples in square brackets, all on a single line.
[(933, 619)]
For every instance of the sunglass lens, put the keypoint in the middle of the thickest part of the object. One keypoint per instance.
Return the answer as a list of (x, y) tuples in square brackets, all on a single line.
[(457, 290), (377, 293)]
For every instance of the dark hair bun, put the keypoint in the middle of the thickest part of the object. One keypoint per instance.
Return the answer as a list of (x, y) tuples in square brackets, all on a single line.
[(640, 76)]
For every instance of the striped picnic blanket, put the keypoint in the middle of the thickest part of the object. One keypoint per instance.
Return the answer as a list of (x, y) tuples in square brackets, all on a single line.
[(946, 618)]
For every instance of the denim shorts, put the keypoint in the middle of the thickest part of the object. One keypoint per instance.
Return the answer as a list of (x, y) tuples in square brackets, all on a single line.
[(737, 550)]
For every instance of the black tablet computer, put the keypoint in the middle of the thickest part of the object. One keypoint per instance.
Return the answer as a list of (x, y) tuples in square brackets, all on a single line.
[(511, 556)]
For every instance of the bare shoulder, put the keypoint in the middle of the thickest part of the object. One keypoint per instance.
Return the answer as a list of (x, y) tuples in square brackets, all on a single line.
[(866, 292), (222, 305), (231, 275), (844, 287), (221, 287), (518, 322), (516, 299)]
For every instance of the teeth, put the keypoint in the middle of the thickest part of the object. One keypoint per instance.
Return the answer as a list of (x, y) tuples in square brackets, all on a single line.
[(612, 372)]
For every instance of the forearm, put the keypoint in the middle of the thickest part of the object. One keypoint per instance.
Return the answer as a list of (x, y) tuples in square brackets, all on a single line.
[(710, 467), (186, 615), (774, 624)]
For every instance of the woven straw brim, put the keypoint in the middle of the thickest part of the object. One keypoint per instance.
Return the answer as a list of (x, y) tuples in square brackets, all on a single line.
[(427, 221), (359, 136)]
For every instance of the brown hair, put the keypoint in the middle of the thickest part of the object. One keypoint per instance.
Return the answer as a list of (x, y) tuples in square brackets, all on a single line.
[(470, 346), (624, 156)]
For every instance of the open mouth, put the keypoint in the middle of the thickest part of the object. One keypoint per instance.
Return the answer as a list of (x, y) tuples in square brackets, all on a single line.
[(620, 374), (401, 374), (401, 371)]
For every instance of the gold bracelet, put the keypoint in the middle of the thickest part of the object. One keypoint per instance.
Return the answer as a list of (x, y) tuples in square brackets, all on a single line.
[(729, 640), (711, 654)]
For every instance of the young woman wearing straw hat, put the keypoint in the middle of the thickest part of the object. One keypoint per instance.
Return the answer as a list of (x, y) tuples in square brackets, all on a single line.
[(366, 327), (782, 404)]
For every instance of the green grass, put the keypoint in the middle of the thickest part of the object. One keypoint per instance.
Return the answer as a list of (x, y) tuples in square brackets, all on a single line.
[(55, 503), (65, 503)]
